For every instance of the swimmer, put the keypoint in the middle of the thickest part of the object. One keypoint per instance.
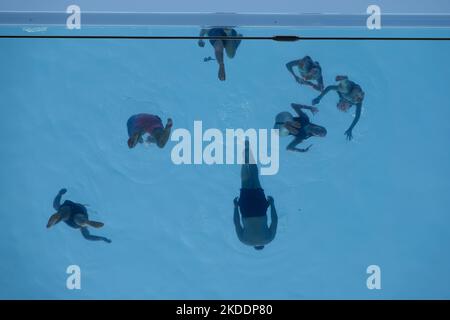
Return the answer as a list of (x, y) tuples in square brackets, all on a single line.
[(75, 216), (253, 205), (300, 127), (230, 46), (309, 71), (350, 94), (150, 125)]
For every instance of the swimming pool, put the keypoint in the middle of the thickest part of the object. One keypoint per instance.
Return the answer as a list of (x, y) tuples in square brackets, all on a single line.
[(380, 199)]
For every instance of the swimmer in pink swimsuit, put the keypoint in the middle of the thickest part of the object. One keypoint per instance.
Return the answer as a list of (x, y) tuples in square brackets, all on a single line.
[(143, 123)]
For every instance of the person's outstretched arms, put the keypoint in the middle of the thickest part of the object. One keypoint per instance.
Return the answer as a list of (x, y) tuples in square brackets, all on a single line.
[(293, 146), (57, 200), (237, 219), (324, 92), (298, 108), (164, 137), (349, 133), (87, 235), (273, 218), (290, 66), (203, 32)]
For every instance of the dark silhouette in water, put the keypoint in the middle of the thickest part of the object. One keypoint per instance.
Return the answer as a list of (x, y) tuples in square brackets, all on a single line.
[(252, 204), (75, 216), (230, 46), (349, 94), (300, 127), (206, 59)]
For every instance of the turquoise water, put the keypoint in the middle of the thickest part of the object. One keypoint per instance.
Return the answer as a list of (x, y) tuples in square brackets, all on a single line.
[(381, 199)]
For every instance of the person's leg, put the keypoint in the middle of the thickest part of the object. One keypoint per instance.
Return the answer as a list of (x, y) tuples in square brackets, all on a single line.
[(249, 170)]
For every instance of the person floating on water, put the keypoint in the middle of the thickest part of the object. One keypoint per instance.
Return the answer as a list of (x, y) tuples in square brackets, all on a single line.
[(350, 94), (300, 127), (148, 125), (253, 205), (309, 71), (230, 46), (75, 216)]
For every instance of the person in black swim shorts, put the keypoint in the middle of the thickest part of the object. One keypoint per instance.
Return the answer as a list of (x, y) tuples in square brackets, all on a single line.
[(253, 204)]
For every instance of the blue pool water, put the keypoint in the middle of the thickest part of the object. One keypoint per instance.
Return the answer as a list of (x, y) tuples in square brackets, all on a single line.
[(381, 199)]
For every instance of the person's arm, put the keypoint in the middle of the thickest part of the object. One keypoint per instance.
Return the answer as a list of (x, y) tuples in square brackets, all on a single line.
[(290, 66), (324, 92), (57, 200), (298, 108), (164, 137), (237, 220), (349, 133), (273, 218), (293, 145), (203, 32), (87, 235)]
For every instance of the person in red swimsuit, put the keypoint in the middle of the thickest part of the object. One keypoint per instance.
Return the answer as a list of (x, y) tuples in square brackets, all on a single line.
[(141, 124)]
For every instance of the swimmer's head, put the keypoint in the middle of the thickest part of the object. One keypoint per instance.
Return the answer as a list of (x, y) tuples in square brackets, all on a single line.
[(259, 247), (280, 120), (315, 130)]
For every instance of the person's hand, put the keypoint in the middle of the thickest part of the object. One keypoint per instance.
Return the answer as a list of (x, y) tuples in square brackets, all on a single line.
[(62, 191), (349, 134), (236, 201), (314, 110), (270, 200), (222, 72), (107, 240), (201, 43), (169, 123), (316, 101)]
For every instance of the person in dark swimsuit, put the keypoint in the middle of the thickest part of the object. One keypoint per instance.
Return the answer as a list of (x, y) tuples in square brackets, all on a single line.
[(301, 127), (252, 204), (230, 46), (349, 94), (75, 216)]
